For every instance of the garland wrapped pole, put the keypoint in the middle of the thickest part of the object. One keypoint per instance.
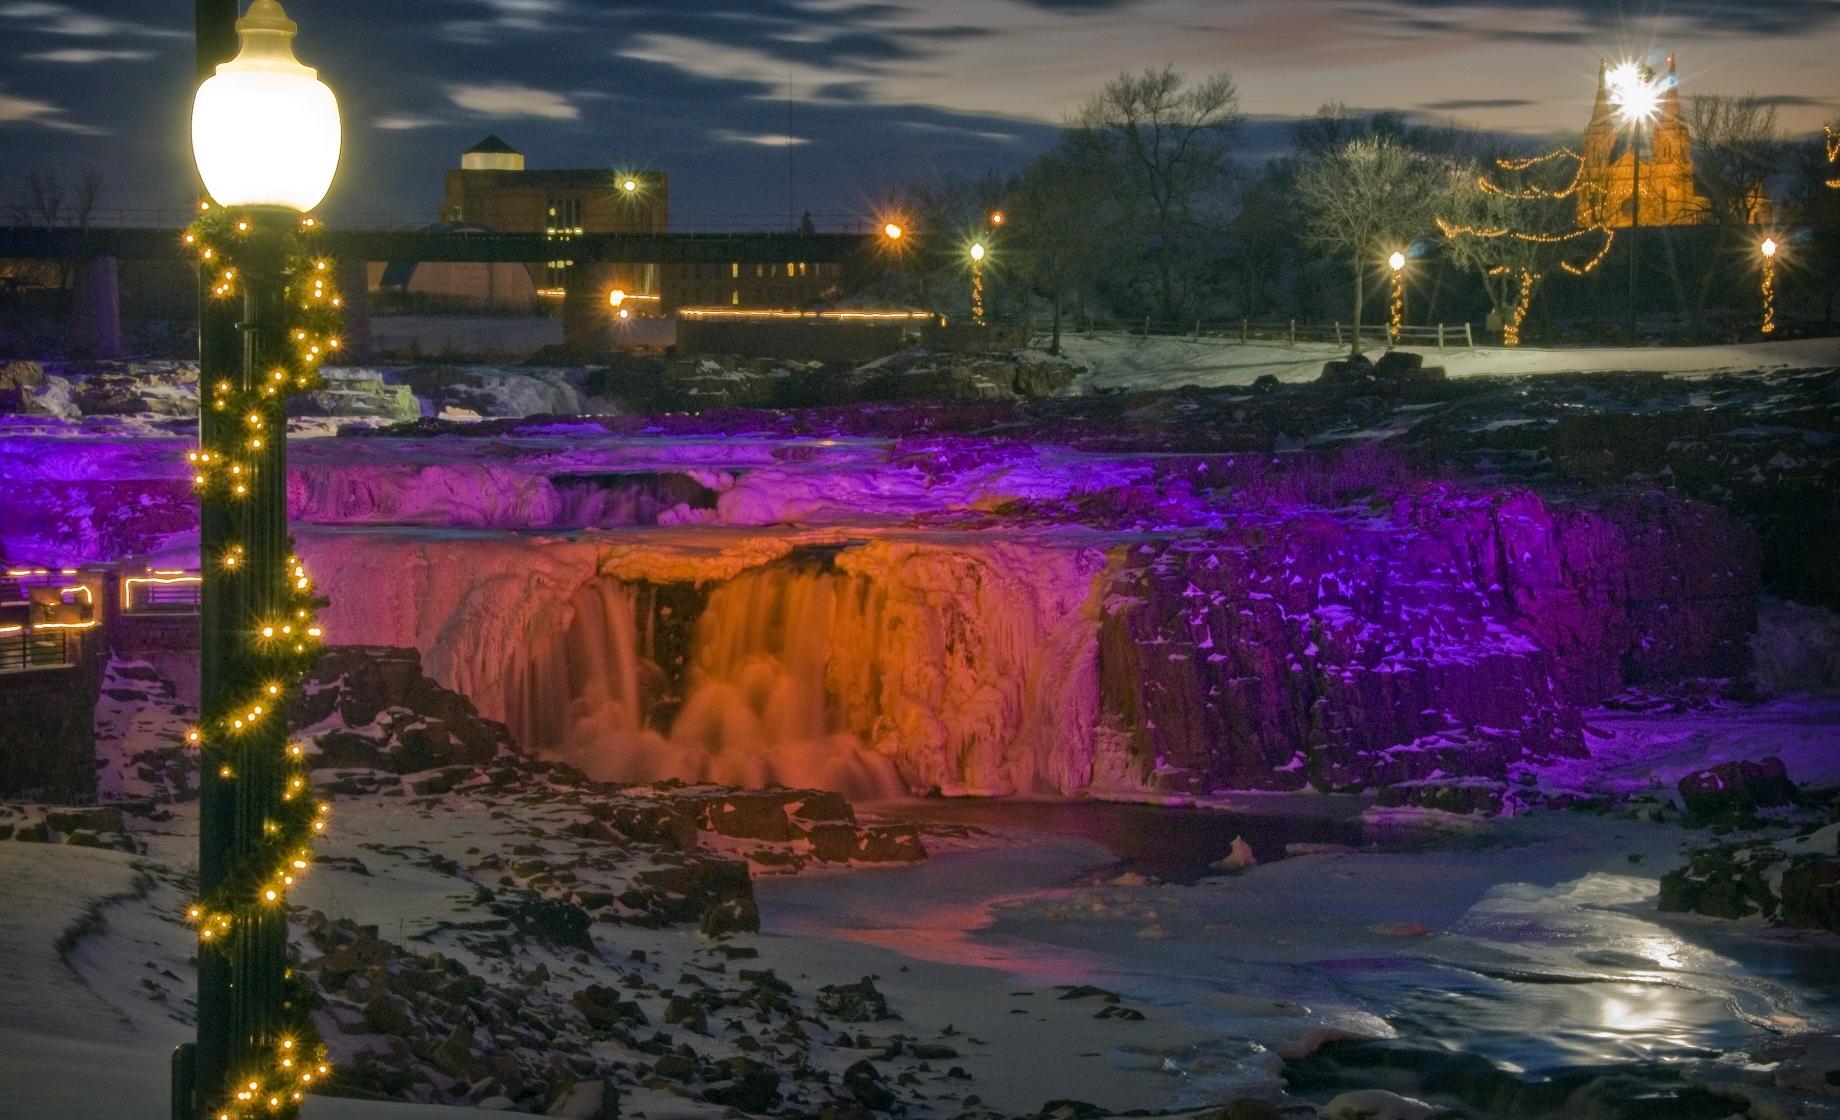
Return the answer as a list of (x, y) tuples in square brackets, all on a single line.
[(266, 135)]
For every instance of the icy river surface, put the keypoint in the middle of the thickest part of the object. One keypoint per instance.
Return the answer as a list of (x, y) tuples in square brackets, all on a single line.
[(1533, 944)]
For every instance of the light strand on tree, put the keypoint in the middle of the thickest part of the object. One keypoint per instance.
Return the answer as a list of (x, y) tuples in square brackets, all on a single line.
[(1451, 229), (1489, 186), (1769, 295), (1529, 280), (276, 650), (1833, 151)]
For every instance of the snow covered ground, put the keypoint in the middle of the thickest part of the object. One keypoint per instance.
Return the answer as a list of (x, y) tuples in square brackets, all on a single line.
[(1130, 362), (1531, 941)]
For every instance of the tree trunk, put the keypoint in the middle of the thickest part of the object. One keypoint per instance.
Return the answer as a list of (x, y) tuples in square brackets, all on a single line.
[(1359, 293)]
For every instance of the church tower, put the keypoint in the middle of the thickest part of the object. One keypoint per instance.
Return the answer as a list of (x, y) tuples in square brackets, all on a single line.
[(1607, 177)]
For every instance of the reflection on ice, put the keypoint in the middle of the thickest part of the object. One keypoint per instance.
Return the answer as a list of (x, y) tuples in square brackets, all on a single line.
[(1535, 955)]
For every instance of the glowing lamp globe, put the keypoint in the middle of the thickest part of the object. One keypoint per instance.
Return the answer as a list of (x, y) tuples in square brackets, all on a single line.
[(1397, 261), (892, 231), (265, 129), (1768, 247), (977, 251)]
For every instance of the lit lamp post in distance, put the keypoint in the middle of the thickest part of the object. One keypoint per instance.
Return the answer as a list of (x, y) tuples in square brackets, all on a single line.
[(1397, 311), (1637, 97), (1769, 249), (978, 253), (266, 137)]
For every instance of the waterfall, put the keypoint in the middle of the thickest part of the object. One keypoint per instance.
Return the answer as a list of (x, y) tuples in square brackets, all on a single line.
[(759, 703)]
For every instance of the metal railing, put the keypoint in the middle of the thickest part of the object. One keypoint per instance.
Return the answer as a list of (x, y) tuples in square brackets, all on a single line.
[(22, 650), (1445, 336)]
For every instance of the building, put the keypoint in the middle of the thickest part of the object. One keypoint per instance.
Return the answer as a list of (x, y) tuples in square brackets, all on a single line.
[(494, 190), (1607, 175)]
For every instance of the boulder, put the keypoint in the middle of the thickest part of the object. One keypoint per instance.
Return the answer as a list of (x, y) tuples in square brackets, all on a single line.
[(1732, 792), (854, 1003)]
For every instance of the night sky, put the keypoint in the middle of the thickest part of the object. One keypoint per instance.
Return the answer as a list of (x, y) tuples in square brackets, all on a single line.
[(881, 93)]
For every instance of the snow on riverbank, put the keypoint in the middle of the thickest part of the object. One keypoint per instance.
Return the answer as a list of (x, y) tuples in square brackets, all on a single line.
[(1127, 362)]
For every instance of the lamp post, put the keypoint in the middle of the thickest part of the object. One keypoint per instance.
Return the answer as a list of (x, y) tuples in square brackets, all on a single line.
[(1397, 317), (978, 252), (266, 136), (1637, 97), (1769, 249)]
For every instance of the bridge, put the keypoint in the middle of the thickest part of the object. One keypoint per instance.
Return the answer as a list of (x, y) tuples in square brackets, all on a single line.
[(97, 251), (134, 243)]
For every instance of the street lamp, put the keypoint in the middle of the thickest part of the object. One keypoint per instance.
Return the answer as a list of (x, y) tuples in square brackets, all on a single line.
[(978, 253), (1397, 262), (629, 184), (266, 136), (1769, 249), (996, 217), (893, 231), (1637, 97)]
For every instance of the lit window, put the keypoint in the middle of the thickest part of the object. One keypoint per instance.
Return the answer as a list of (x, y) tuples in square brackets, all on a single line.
[(734, 299), (734, 270)]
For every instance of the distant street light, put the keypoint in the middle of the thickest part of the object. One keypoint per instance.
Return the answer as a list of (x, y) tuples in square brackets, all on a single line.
[(629, 184), (266, 135), (996, 217), (1769, 249), (616, 297), (893, 231), (1637, 97), (1397, 318)]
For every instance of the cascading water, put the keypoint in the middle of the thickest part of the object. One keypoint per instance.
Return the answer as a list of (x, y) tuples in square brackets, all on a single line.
[(759, 707)]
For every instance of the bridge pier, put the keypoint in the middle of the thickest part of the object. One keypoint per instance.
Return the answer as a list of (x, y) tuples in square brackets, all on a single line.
[(95, 308), (353, 279)]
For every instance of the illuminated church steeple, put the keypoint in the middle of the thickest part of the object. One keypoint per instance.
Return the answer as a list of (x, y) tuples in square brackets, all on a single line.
[(1607, 179)]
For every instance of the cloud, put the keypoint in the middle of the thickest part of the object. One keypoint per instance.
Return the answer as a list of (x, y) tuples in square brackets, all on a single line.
[(1761, 17), (513, 101), (1795, 101), (506, 15), (763, 139), (703, 59), (978, 133), (1464, 104), (25, 110), (83, 56), (402, 122), (58, 19)]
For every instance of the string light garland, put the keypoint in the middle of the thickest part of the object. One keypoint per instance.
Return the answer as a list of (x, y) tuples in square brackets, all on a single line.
[(1833, 152), (1489, 186), (1396, 312), (276, 649), (1769, 249), (1529, 280)]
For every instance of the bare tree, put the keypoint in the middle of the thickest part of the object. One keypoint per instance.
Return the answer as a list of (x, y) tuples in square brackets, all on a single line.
[(1366, 199), (43, 204), (1163, 147), (1054, 217), (1735, 147), (1517, 226)]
